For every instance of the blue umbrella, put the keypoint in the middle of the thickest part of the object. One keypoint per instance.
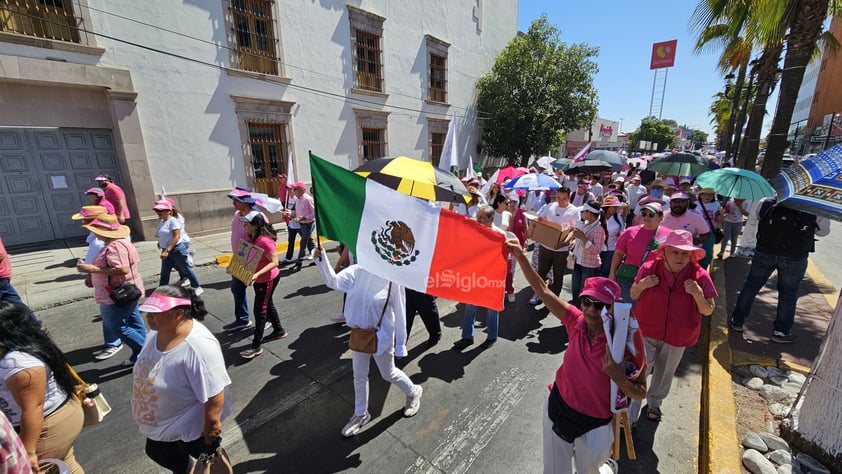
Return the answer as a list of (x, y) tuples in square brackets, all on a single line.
[(736, 183), (813, 185), (533, 182)]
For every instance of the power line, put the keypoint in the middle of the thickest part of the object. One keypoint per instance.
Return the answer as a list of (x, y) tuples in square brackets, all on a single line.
[(266, 79)]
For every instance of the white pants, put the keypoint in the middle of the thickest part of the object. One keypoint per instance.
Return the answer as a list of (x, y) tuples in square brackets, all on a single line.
[(662, 360), (584, 456), (386, 363)]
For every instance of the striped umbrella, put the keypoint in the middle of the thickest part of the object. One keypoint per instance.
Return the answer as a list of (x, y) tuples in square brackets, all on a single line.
[(415, 178)]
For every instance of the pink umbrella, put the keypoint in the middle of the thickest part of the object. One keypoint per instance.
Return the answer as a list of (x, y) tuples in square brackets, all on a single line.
[(509, 172)]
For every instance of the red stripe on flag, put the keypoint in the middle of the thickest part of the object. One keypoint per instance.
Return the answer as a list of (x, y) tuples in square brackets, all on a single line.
[(469, 265)]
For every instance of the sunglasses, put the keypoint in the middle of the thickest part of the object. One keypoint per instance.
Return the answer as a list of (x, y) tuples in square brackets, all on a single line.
[(648, 214), (587, 302)]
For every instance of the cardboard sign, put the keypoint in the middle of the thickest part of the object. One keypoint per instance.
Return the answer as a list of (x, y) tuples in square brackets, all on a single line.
[(244, 262), (546, 232)]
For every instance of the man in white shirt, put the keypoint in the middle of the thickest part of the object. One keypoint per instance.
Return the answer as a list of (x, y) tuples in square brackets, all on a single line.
[(634, 190), (596, 188), (565, 215)]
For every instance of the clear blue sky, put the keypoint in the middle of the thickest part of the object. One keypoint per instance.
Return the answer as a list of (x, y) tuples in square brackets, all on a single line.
[(624, 31)]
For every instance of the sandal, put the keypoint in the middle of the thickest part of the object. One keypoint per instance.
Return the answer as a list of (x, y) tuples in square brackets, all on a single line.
[(654, 414)]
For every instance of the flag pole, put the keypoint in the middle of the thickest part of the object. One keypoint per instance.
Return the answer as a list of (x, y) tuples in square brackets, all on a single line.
[(316, 205)]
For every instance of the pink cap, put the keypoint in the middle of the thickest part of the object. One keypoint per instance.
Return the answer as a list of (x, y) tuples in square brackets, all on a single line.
[(601, 288), (162, 205), (158, 303), (98, 191)]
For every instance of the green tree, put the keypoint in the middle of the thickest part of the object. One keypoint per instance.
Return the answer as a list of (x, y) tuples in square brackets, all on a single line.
[(699, 138), (654, 131), (538, 87), (720, 110)]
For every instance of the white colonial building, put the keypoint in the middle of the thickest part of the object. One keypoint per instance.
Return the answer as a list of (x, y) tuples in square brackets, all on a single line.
[(198, 96)]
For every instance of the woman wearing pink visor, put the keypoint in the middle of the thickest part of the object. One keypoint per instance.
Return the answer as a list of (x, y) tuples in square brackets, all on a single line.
[(179, 382)]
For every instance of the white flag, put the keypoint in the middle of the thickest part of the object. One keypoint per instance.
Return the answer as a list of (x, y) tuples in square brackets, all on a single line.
[(581, 155), (270, 204), (449, 158), (290, 174), (470, 173)]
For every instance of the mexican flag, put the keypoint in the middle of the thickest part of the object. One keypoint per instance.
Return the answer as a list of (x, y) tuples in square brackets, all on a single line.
[(409, 241)]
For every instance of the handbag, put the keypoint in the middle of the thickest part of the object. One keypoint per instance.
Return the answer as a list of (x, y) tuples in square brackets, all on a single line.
[(718, 234), (94, 404), (365, 340), (125, 294), (214, 462), (628, 271)]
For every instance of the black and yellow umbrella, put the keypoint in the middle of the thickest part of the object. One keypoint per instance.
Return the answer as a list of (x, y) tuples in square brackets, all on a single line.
[(415, 178)]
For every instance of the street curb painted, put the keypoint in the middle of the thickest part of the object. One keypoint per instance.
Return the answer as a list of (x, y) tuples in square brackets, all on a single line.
[(224, 259), (825, 286), (719, 447)]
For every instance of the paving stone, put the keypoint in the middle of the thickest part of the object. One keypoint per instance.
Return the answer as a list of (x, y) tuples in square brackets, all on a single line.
[(785, 469), (773, 442), (757, 464), (778, 410), (796, 377), (792, 388), (774, 393), (780, 457), (775, 372), (754, 441), (809, 464), (778, 379), (759, 371), (754, 383)]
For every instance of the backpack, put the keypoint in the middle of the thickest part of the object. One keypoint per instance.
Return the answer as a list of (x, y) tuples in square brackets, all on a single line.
[(784, 229)]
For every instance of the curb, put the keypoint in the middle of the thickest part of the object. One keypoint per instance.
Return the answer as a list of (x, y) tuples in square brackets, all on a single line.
[(719, 447)]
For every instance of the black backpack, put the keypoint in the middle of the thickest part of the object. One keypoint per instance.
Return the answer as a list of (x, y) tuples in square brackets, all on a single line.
[(785, 230)]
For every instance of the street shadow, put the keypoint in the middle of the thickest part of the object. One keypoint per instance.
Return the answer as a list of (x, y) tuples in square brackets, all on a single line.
[(551, 340), (72, 277), (643, 437), (446, 365), (69, 263), (307, 291), (103, 370)]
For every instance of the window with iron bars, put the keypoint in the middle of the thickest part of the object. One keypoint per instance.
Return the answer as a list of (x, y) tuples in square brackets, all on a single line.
[(268, 145), (438, 78), (374, 145), (254, 29), (51, 19), (369, 66), (436, 147)]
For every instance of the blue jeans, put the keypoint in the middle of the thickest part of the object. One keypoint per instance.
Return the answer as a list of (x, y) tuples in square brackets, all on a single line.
[(291, 234), (8, 293), (177, 258), (492, 322), (306, 239), (241, 305), (605, 256), (580, 274), (790, 273), (123, 324), (625, 289)]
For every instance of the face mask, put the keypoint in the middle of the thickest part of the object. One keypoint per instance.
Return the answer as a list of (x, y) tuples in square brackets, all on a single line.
[(657, 192)]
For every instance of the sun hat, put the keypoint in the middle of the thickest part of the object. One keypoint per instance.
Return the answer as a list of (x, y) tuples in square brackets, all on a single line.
[(89, 212), (620, 179), (107, 230), (611, 201), (98, 191), (707, 191), (679, 196), (103, 177), (602, 289), (242, 195), (654, 207), (657, 182), (158, 303), (162, 205), (683, 240)]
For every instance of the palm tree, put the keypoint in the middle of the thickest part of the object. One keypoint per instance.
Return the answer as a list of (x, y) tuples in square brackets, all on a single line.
[(766, 70), (720, 109)]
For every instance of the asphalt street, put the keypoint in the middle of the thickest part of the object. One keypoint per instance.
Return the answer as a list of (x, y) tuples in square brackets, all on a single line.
[(481, 410)]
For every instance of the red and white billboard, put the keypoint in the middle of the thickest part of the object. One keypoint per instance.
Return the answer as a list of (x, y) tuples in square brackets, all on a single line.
[(663, 54)]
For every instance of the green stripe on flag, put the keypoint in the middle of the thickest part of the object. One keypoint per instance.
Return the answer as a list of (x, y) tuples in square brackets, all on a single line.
[(339, 196)]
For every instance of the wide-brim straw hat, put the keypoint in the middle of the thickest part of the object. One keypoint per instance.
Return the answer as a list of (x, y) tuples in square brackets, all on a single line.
[(89, 212), (106, 230)]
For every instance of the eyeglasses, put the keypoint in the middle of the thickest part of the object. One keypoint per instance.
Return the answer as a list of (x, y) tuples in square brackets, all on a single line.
[(587, 302), (648, 214)]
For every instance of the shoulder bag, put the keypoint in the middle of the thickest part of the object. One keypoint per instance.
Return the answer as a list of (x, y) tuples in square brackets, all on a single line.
[(718, 233), (94, 404), (628, 271), (365, 340), (124, 294), (213, 461)]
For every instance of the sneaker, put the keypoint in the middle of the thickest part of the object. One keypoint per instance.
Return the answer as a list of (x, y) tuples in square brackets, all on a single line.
[(309, 255), (610, 467), (413, 403), (237, 325), (198, 290), (184, 283), (274, 336), (108, 352), (511, 297), (782, 337), (534, 300), (190, 254), (462, 344), (488, 343), (287, 260), (734, 326), (267, 326), (251, 353), (338, 318), (355, 424)]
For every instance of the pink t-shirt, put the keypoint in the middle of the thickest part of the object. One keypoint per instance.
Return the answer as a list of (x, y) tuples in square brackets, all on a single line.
[(634, 241), (269, 249), (118, 253), (666, 312), (114, 194), (690, 221), (580, 380), (5, 266)]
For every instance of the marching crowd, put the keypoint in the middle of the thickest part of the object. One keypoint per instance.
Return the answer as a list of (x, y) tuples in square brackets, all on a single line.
[(621, 239)]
